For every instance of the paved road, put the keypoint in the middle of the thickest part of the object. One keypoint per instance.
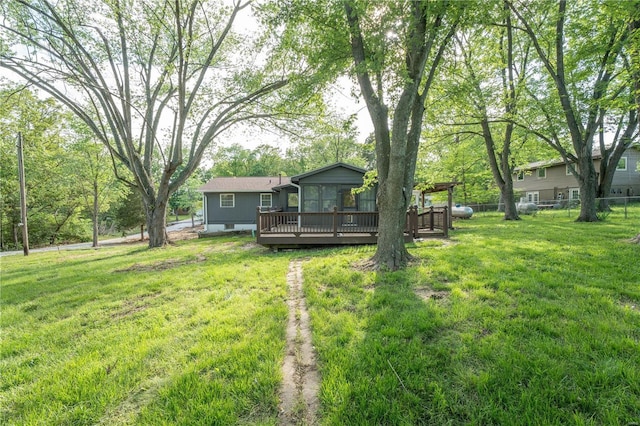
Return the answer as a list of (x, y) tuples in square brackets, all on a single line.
[(172, 227)]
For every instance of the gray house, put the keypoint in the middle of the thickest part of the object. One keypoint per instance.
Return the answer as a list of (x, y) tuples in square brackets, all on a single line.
[(230, 203), (546, 182)]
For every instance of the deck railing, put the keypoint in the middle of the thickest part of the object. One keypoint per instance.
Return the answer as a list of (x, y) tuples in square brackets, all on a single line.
[(432, 218), (345, 222)]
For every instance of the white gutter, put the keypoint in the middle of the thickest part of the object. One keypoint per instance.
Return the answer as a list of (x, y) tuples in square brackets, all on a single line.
[(299, 201), (205, 216)]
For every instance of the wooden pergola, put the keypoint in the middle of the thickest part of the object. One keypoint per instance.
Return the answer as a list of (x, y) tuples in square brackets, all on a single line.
[(441, 187)]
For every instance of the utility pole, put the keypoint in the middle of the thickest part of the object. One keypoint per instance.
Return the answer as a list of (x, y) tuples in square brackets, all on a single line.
[(23, 198)]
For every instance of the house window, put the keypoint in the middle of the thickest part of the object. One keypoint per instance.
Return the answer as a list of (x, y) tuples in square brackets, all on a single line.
[(265, 200), (311, 198), (227, 200), (574, 193), (622, 164), (368, 200), (348, 199), (329, 197), (542, 173), (533, 197), (292, 200), (568, 171), (520, 176)]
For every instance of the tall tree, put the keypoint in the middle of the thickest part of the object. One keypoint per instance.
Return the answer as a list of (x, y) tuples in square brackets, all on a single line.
[(53, 193), (419, 31), (582, 52), (458, 158), (156, 81), (93, 173), (393, 50), (634, 62), (495, 79), (620, 114)]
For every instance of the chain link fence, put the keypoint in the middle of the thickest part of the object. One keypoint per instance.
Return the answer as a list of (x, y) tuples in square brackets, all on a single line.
[(627, 208)]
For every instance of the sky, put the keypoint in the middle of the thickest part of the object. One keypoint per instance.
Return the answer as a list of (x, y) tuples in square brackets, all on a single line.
[(341, 102)]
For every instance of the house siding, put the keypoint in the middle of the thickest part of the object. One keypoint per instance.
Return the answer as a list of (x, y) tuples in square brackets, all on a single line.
[(625, 182), (241, 217), (556, 182)]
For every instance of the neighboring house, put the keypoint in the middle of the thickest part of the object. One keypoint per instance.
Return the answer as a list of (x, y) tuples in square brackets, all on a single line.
[(231, 203), (547, 182)]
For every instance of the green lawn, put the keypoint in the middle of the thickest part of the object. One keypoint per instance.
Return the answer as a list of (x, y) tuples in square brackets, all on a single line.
[(191, 334), (530, 322)]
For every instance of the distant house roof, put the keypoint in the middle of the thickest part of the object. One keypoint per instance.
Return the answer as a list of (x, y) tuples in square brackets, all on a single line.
[(244, 184), (558, 161), (540, 164)]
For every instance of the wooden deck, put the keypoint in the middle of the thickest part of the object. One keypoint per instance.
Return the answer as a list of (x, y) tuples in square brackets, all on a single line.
[(293, 229)]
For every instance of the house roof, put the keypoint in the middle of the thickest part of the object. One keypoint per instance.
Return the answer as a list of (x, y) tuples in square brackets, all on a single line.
[(558, 161), (244, 184), (325, 168), (540, 164), (265, 184)]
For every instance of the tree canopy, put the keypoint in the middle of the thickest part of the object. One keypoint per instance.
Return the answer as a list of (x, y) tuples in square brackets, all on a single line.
[(155, 81)]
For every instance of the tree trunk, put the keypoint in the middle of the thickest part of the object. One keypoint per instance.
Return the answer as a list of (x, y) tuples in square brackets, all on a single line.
[(509, 199), (1, 230), (391, 252), (502, 177), (155, 207), (587, 182), (95, 213), (505, 184), (157, 223), (603, 191), (396, 148), (15, 236)]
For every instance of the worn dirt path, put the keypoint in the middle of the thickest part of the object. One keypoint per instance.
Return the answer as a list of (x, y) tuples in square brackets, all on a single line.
[(299, 392)]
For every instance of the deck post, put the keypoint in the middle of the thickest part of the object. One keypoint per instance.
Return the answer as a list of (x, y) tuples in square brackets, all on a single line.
[(335, 221), (414, 221), (445, 222), (431, 219), (258, 220), (449, 209)]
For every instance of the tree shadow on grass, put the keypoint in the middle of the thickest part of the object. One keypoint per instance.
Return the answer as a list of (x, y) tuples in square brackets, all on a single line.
[(377, 360), (406, 349)]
